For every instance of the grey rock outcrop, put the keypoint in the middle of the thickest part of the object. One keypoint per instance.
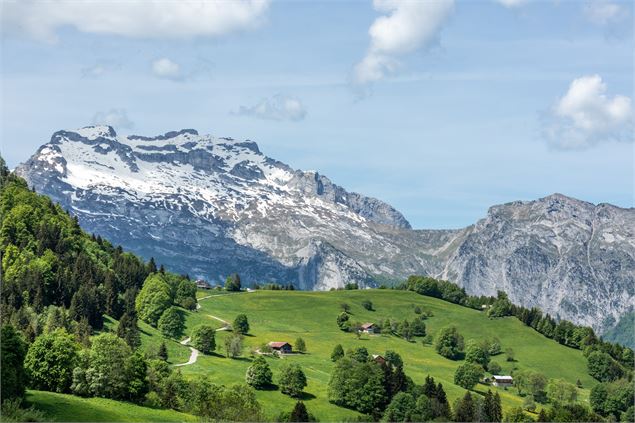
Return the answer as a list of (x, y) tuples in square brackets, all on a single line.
[(211, 206)]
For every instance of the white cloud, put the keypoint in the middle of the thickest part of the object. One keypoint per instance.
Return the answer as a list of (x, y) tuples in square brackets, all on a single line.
[(406, 26), (100, 69), (278, 107), (512, 3), (586, 116), (132, 18), (117, 118), (604, 12), (167, 69)]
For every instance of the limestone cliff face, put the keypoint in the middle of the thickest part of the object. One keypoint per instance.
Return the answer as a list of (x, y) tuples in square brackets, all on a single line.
[(212, 206)]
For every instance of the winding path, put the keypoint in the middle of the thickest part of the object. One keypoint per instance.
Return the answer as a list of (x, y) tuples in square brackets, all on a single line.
[(194, 352)]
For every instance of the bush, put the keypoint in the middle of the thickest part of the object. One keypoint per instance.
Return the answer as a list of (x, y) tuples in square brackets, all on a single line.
[(342, 321), (368, 305), (204, 339), (13, 412)]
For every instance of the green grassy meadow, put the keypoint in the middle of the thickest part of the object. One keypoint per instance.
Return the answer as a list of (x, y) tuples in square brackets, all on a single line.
[(69, 408), (287, 315)]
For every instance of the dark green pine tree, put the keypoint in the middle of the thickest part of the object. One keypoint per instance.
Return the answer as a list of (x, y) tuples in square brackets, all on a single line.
[(440, 394), (465, 409), (83, 332), (489, 407), (163, 352), (128, 330), (497, 410), (152, 266), (85, 303), (299, 413), (113, 304), (429, 387)]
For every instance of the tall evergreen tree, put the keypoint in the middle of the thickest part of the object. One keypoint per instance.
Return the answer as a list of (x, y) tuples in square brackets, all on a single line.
[(465, 410), (299, 413)]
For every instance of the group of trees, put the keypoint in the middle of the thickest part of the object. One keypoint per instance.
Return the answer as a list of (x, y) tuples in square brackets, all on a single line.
[(291, 379), (233, 283), (474, 408), (275, 287), (157, 302), (365, 383), (614, 400)]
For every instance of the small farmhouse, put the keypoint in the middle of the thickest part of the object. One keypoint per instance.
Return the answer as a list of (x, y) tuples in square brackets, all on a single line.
[(202, 284), (502, 381), (282, 347), (368, 328), (379, 359)]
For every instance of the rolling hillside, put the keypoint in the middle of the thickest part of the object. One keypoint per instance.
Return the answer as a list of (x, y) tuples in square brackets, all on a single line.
[(286, 315)]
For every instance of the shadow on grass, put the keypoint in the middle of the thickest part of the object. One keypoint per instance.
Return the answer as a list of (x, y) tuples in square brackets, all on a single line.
[(270, 387), (306, 396)]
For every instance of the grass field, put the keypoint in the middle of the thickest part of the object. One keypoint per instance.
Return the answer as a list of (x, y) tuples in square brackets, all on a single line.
[(287, 315), (69, 408)]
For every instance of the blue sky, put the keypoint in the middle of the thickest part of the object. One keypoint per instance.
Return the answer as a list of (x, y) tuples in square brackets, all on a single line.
[(442, 108)]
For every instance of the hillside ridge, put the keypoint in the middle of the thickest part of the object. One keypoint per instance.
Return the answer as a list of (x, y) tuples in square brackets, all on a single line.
[(212, 206)]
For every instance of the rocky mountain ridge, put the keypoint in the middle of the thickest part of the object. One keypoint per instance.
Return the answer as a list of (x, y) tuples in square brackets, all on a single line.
[(212, 206)]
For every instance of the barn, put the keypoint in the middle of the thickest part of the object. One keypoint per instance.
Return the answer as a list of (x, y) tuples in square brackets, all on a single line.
[(281, 347)]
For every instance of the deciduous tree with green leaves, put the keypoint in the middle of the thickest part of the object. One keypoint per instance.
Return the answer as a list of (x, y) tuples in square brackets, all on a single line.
[(292, 380), (50, 361), (204, 339), (171, 323), (259, 374), (449, 343)]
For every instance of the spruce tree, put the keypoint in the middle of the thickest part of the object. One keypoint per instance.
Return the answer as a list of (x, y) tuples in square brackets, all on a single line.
[(163, 352), (465, 410), (299, 413)]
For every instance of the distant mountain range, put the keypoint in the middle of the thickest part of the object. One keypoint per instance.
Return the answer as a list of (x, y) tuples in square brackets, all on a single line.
[(211, 206)]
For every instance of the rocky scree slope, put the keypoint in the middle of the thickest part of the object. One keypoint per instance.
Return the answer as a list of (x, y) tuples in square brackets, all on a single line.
[(211, 206)]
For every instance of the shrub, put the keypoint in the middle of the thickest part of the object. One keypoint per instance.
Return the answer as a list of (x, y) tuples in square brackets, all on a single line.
[(368, 305)]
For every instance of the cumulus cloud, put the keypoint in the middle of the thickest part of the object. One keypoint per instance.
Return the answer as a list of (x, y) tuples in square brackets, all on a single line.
[(117, 118), (278, 107), (512, 3), (133, 18), (166, 69), (404, 27), (604, 12), (586, 116)]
